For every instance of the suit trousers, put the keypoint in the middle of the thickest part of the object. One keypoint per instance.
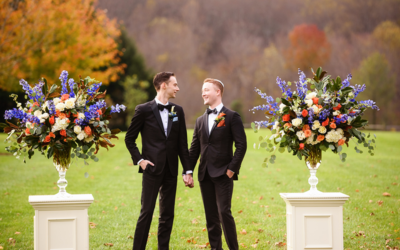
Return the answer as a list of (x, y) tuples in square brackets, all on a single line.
[(217, 197), (165, 184)]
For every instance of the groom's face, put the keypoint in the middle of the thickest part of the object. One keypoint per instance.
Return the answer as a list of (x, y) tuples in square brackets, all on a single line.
[(209, 93), (171, 87)]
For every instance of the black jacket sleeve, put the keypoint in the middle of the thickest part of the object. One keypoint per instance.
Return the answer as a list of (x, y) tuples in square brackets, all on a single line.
[(194, 151), (183, 144), (133, 132), (239, 137)]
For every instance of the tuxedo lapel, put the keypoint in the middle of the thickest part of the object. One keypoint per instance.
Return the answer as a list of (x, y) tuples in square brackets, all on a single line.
[(154, 107), (205, 123), (169, 125)]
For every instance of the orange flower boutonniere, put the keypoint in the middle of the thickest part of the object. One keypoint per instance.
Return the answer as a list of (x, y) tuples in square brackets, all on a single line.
[(220, 120)]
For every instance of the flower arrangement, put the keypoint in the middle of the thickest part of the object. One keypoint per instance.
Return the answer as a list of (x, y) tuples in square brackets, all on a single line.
[(56, 123), (321, 114)]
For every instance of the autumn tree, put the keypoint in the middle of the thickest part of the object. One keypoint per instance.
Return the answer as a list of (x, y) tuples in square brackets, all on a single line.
[(42, 38), (309, 47), (379, 80)]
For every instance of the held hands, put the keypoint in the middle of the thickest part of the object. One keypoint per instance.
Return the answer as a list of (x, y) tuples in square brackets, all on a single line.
[(188, 180), (229, 173), (143, 164)]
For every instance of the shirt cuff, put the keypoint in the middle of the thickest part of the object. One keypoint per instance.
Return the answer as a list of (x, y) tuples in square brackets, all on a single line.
[(189, 172), (139, 161)]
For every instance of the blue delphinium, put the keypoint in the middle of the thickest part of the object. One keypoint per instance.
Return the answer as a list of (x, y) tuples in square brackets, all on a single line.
[(51, 107), (63, 78), (311, 116), (346, 82), (301, 85), (358, 89), (285, 88), (368, 104), (324, 114), (93, 88), (20, 114), (117, 108), (71, 84), (25, 86), (271, 106)]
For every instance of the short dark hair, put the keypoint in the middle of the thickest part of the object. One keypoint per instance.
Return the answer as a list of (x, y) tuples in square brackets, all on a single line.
[(161, 77)]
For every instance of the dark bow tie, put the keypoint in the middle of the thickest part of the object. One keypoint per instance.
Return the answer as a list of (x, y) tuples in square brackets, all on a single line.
[(162, 107), (214, 111)]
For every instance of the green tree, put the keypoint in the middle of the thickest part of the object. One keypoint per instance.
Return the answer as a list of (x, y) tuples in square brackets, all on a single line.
[(375, 72), (135, 93)]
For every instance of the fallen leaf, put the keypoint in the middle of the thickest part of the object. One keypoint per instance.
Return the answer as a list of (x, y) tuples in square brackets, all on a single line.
[(204, 229), (241, 211), (115, 208), (386, 194), (243, 232), (108, 244), (191, 210), (280, 244), (243, 245), (261, 197), (104, 212), (380, 203), (372, 214), (195, 221), (130, 237), (357, 190), (11, 241), (260, 230), (92, 225), (17, 233)]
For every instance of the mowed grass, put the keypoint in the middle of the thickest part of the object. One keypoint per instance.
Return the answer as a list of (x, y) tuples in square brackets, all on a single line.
[(257, 207)]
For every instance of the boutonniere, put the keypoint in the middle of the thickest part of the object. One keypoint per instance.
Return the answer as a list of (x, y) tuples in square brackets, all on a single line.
[(220, 120), (172, 114)]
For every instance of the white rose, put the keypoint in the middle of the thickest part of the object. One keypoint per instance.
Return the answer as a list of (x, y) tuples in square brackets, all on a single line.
[(37, 113), (45, 105), (60, 106), (300, 135), (315, 109), (316, 125), (42, 120), (89, 139), (70, 103), (45, 115), (281, 107), (82, 135), (81, 116), (309, 102), (297, 122), (77, 129), (322, 130), (276, 126), (55, 128), (340, 131), (311, 95), (56, 101), (336, 113), (310, 139)]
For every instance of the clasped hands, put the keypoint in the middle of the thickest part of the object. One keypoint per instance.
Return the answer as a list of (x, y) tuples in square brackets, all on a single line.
[(188, 179)]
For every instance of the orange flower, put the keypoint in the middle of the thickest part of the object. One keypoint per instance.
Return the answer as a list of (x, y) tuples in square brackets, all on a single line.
[(27, 131), (221, 124), (68, 114), (315, 100), (332, 125), (30, 110), (63, 132), (51, 134), (68, 120), (341, 142), (306, 127), (287, 125), (220, 115), (320, 138), (99, 111), (337, 107), (35, 104), (64, 97), (304, 113), (88, 131), (326, 122), (97, 119), (51, 120), (62, 115), (319, 106), (286, 118), (307, 133), (301, 146), (47, 139)]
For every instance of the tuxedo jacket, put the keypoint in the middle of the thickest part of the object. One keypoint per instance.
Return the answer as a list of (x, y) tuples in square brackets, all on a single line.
[(156, 146), (215, 148)]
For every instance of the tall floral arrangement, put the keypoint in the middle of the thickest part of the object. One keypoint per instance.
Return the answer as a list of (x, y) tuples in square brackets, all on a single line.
[(320, 114), (60, 124)]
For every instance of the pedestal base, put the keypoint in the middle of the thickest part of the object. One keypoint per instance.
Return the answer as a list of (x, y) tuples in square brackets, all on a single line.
[(314, 221), (61, 222)]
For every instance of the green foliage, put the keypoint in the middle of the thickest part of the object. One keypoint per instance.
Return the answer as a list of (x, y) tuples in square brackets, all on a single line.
[(237, 105)]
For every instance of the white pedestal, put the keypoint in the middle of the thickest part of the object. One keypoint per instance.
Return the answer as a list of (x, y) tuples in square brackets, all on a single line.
[(61, 223), (314, 221)]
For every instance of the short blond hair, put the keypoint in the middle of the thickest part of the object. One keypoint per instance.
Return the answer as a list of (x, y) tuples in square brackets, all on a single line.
[(216, 83)]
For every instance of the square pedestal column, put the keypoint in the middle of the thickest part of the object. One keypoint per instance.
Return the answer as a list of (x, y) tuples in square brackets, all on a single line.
[(314, 221), (61, 223)]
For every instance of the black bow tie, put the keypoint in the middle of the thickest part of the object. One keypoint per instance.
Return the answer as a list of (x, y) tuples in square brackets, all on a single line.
[(162, 107), (214, 111)]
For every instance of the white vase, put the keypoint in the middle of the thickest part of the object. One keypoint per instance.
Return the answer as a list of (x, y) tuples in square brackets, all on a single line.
[(313, 180)]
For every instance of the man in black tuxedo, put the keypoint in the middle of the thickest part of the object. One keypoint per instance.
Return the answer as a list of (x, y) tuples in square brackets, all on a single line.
[(164, 138), (213, 138)]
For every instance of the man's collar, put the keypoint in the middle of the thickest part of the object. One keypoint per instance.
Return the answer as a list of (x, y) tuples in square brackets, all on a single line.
[(219, 107), (158, 102)]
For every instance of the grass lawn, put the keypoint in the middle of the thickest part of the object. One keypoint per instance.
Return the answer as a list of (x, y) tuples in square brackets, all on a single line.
[(257, 207)]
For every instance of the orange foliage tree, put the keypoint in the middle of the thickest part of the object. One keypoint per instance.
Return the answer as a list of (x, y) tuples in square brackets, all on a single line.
[(309, 47), (40, 38)]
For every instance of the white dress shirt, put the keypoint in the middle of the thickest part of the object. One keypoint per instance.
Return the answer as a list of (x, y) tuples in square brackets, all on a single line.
[(164, 118), (212, 116)]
